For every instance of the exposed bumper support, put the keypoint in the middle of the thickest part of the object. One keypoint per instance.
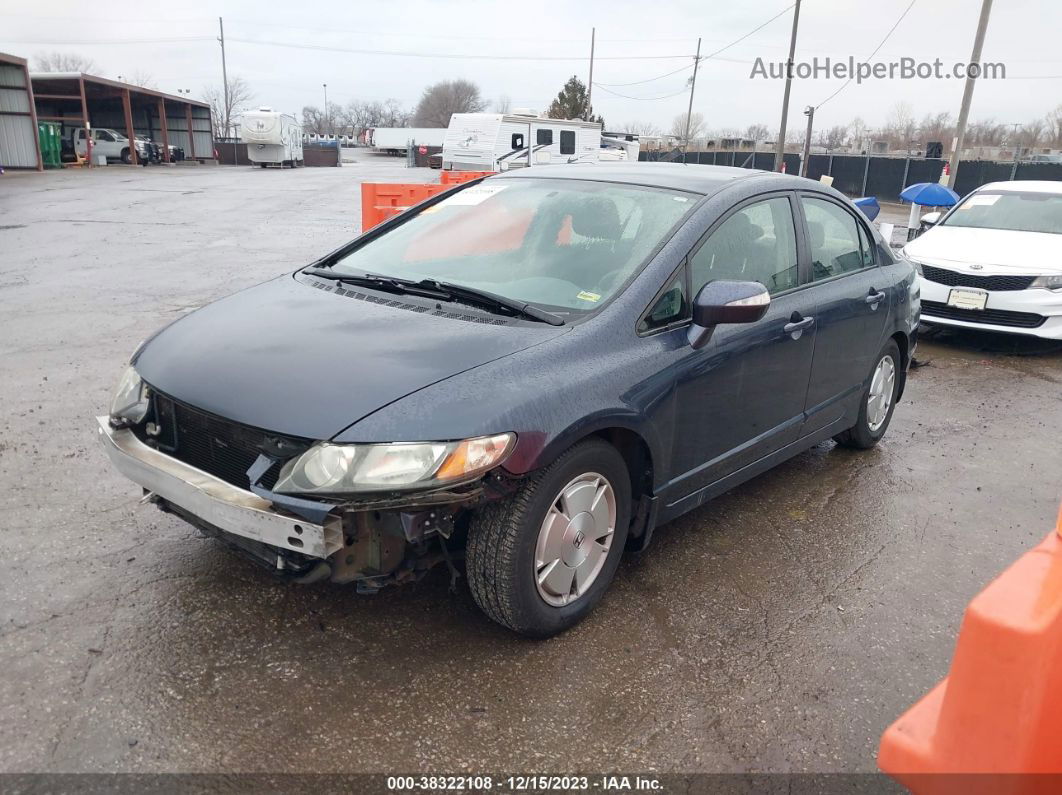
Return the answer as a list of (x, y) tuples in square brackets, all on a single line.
[(216, 502)]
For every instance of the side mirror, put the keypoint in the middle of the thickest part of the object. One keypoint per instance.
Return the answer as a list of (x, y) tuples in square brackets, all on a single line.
[(930, 219), (726, 302)]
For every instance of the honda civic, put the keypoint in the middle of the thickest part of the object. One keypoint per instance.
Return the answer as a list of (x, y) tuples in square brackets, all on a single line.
[(522, 377)]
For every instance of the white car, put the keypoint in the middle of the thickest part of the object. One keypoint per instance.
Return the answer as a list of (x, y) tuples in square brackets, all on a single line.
[(994, 261)]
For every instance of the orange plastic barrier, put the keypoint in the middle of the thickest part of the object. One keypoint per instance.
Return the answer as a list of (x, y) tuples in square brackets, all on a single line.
[(999, 710), (457, 177), (381, 200)]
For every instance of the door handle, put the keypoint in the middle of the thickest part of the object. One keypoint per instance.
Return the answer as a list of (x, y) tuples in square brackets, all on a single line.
[(795, 327), (874, 299)]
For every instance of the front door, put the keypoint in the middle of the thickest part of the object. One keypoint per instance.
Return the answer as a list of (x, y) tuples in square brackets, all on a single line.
[(853, 306), (742, 395)]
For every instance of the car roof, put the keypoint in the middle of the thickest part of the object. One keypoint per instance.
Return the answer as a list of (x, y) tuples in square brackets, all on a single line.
[(675, 176), (1025, 186)]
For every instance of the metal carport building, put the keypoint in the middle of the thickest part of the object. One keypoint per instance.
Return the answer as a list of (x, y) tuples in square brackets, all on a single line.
[(19, 145), (74, 99)]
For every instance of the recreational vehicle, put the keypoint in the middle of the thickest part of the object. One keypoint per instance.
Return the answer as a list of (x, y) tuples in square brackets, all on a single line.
[(501, 141), (272, 138), (396, 140)]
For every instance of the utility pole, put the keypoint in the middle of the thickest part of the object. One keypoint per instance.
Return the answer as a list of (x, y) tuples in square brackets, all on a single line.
[(590, 85), (779, 149), (224, 77), (689, 110), (967, 93), (327, 123), (809, 111)]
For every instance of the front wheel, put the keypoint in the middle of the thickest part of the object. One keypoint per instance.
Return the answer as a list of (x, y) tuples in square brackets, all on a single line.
[(877, 403), (540, 561)]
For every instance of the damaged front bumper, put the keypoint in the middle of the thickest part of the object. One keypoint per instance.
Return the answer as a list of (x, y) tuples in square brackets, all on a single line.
[(372, 542), (220, 504)]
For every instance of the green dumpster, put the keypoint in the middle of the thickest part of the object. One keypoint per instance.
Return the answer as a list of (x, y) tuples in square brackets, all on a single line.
[(51, 138)]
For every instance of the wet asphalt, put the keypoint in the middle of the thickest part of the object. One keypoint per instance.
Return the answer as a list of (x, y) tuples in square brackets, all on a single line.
[(781, 627)]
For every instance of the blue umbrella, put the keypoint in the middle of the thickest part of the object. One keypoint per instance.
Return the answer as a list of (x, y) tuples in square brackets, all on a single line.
[(930, 194), (869, 205)]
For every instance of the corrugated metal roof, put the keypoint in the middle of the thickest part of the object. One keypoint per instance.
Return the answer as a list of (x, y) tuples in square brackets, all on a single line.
[(35, 76)]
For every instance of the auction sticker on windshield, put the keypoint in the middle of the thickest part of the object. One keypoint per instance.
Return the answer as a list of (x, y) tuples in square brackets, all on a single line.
[(477, 194)]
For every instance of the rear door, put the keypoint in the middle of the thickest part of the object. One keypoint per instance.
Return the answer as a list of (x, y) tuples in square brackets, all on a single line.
[(742, 396), (851, 307)]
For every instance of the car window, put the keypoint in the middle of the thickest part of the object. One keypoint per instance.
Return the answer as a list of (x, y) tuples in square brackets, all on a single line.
[(867, 244), (672, 305), (563, 244), (755, 244), (105, 136), (833, 237), (1018, 211)]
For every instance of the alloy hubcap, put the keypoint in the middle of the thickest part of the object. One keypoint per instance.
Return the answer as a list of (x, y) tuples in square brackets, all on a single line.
[(881, 388), (574, 539)]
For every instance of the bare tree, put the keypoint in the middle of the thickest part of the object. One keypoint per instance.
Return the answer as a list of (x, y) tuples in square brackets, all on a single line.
[(757, 132), (646, 128), (144, 80), (678, 126), (224, 114), (858, 132), (503, 104), (1033, 132), (63, 62), (937, 127), (900, 125), (1054, 126), (441, 100), (835, 137), (315, 120)]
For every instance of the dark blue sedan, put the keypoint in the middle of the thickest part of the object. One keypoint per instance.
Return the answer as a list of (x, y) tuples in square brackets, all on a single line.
[(530, 372)]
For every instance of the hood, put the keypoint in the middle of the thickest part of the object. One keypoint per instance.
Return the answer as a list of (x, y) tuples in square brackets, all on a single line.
[(999, 251), (293, 359)]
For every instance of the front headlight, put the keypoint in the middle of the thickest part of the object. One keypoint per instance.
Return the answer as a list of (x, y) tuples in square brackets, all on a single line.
[(1052, 282), (358, 468), (916, 263), (130, 403)]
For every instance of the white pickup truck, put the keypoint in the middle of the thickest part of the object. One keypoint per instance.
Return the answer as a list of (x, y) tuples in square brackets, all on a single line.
[(109, 143)]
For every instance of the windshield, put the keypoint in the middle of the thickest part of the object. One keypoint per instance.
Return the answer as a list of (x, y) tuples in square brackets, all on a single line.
[(560, 244), (1017, 211)]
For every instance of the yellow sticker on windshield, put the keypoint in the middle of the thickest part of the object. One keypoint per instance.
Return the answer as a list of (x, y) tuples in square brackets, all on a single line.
[(589, 296)]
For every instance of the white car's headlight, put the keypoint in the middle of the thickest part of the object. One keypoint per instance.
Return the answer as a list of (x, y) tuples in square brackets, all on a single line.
[(1052, 282), (916, 263), (130, 403), (358, 468)]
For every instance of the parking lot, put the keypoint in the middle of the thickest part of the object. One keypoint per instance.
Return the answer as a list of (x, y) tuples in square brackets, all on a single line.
[(781, 627)]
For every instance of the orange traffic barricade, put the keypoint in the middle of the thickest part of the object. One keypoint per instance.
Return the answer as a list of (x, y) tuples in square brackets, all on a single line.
[(457, 177), (381, 200), (999, 710)]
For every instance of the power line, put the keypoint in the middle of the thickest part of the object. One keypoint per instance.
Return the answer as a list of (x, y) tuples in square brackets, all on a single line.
[(455, 56), (880, 45), (756, 29), (640, 82), (641, 99)]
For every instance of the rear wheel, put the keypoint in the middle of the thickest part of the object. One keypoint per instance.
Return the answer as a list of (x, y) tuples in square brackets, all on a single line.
[(541, 560), (878, 401), (126, 157)]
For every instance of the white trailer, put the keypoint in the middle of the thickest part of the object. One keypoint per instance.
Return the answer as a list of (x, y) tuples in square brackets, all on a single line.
[(272, 138), (501, 141), (396, 140)]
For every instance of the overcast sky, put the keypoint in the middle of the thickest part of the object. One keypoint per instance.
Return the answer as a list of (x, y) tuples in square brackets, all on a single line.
[(180, 51)]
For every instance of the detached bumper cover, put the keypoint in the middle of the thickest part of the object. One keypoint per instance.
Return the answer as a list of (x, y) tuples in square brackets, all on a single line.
[(216, 502)]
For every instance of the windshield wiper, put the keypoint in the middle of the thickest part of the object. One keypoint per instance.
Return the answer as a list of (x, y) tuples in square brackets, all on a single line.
[(442, 291), (385, 283), (488, 300)]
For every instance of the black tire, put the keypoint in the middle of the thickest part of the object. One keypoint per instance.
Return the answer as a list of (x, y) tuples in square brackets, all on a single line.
[(860, 436), (126, 157), (502, 538)]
